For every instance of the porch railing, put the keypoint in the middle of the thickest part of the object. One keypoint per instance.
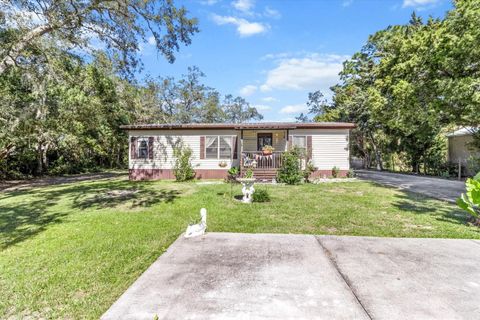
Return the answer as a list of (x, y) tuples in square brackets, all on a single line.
[(256, 159)]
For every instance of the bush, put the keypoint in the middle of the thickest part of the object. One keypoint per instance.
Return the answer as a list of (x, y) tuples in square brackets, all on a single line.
[(447, 169), (473, 164), (261, 195), (183, 169), (233, 173), (335, 171), (309, 169), (470, 201), (249, 174), (290, 172), (351, 173)]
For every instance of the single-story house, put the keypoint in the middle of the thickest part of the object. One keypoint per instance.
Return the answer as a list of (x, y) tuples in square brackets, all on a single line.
[(460, 148), (217, 147)]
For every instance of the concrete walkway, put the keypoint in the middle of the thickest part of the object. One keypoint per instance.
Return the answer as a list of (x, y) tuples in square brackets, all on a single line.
[(265, 276), (447, 190)]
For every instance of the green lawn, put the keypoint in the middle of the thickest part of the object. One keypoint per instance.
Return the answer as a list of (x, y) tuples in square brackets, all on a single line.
[(69, 251)]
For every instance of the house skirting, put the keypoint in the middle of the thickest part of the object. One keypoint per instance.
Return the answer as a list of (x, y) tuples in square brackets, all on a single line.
[(158, 174), (327, 173)]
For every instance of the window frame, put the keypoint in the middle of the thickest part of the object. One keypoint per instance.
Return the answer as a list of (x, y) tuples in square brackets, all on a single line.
[(139, 143), (218, 147), (263, 135), (299, 136)]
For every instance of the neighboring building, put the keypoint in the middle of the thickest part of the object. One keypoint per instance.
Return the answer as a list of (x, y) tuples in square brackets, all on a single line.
[(460, 149), (218, 147)]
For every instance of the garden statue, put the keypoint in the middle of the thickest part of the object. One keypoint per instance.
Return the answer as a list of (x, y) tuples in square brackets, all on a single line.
[(199, 228), (247, 190), (247, 186)]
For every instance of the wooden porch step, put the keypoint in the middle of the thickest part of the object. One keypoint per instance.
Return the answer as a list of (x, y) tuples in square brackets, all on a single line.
[(262, 174)]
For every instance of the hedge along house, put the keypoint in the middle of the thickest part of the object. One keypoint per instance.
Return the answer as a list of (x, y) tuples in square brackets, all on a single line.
[(217, 147)]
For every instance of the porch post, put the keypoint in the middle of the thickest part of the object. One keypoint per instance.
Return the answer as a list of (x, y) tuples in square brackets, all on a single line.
[(241, 149), (287, 138)]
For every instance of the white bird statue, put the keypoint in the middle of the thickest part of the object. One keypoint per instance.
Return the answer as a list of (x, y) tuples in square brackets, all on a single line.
[(198, 229)]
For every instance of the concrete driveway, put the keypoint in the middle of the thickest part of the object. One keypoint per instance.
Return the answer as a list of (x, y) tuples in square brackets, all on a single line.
[(447, 190), (265, 276)]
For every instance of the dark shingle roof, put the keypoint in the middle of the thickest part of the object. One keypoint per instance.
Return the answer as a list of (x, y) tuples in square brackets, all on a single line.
[(258, 125)]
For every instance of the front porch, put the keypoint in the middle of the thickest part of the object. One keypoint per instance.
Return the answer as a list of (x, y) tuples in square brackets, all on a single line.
[(263, 164)]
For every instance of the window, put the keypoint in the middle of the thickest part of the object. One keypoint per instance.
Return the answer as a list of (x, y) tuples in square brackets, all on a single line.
[(264, 139), (218, 147), (300, 142), (142, 149)]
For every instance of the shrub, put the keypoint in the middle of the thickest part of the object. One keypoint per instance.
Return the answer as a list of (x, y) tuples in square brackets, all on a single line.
[(335, 171), (261, 195), (351, 173), (470, 201), (290, 172), (183, 169), (447, 169), (473, 163), (309, 169), (249, 174), (233, 173)]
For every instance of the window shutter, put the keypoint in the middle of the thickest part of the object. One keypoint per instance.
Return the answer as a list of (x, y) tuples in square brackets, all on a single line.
[(234, 144), (133, 148), (309, 148), (150, 147), (202, 147), (290, 142)]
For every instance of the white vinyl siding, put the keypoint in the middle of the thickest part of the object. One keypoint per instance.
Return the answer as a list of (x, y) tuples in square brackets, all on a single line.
[(166, 140), (330, 147)]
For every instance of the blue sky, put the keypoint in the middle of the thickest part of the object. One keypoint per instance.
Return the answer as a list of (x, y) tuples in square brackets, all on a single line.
[(273, 53)]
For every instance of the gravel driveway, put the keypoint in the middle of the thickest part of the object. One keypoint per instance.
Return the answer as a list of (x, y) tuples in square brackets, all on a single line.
[(447, 190)]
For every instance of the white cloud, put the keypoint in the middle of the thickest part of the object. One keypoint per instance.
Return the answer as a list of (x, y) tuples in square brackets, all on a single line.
[(347, 3), (419, 3), (248, 90), (294, 108), (244, 27), (209, 2), (151, 40), (243, 5), (262, 107), (272, 13), (269, 99), (312, 72)]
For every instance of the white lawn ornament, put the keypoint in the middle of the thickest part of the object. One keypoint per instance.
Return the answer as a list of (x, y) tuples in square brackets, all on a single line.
[(247, 189), (199, 228)]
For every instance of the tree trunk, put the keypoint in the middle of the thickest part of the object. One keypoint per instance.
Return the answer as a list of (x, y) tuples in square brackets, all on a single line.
[(12, 54), (39, 170), (378, 154)]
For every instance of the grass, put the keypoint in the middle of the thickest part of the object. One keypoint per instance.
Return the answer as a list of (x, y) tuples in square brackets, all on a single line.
[(69, 251)]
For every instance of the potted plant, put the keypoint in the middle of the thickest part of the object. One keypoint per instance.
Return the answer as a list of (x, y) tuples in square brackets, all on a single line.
[(222, 164), (267, 150)]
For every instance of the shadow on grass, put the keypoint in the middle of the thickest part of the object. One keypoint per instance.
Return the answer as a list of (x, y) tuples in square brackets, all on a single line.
[(22, 220), (420, 204)]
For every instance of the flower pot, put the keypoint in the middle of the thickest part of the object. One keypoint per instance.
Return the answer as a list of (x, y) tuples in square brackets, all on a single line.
[(267, 153)]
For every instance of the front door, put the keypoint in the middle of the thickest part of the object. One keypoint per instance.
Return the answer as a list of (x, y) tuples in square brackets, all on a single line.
[(264, 139)]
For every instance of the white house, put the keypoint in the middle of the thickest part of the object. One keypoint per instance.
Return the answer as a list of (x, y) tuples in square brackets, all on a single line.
[(460, 148), (219, 146)]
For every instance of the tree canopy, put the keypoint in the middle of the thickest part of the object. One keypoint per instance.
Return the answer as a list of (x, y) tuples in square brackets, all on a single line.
[(408, 86), (119, 25), (62, 101)]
